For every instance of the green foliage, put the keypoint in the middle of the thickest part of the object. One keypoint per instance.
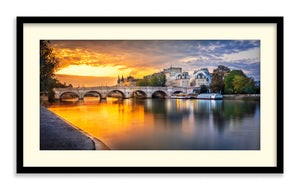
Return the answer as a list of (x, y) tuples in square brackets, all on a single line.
[(159, 80), (203, 89), (48, 64), (250, 89), (243, 84), (156, 80), (228, 88), (239, 83), (236, 82), (143, 82)]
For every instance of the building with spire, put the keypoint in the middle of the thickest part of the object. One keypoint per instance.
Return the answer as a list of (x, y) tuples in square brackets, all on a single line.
[(118, 82)]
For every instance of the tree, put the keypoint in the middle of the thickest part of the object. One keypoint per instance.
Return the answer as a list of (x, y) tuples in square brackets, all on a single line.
[(143, 82), (243, 84), (158, 80), (250, 87), (217, 82), (203, 89), (239, 83), (228, 88), (154, 81), (48, 65)]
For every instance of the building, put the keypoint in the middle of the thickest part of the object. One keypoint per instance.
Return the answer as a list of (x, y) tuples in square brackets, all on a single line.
[(201, 77), (171, 74), (174, 76), (182, 79), (173, 70)]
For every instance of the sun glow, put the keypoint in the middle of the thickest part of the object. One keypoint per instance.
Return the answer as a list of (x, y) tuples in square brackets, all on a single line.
[(103, 71), (100, 71)]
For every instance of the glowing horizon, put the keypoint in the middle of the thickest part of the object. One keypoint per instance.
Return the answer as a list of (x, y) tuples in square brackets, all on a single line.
[(99, 71)]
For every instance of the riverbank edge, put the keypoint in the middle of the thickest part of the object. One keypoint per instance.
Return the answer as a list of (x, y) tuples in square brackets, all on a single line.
[(98, 144), (241, 96)]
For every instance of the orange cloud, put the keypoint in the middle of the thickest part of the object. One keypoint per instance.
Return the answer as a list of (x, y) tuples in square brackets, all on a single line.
[(84, 62)]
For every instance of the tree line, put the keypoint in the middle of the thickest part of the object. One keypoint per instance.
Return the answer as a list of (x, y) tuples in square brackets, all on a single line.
[(48, 65), (229, 81), (155, 80)]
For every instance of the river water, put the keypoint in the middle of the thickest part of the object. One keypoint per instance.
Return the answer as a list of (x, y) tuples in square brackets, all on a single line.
[(167, 124)]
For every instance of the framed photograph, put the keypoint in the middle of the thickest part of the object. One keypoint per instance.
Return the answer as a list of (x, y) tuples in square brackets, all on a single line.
[(149, 95)]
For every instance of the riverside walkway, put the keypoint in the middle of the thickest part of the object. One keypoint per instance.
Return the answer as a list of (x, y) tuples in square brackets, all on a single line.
[(56, 134)]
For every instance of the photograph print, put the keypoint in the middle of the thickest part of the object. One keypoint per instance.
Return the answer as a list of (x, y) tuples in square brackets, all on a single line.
[(107, 95)]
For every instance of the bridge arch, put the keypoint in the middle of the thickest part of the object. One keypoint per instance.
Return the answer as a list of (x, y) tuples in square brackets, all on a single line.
[(177, 92), (159, 94), (91, 92), (69, 95), (138, 93), (110, 93)]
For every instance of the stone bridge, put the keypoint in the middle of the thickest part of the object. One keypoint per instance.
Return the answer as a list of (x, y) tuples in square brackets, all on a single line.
[(126, 91)]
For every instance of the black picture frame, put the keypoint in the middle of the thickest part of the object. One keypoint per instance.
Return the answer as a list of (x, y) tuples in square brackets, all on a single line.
[(224, 20)]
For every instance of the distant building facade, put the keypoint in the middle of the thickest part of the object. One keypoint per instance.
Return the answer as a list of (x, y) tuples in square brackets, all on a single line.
[(201, 77), (175, 77), (182, 79), (171, 74), (173, 70)]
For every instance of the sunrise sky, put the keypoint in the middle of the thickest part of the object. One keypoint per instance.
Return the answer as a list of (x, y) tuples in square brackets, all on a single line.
[(110, 58)]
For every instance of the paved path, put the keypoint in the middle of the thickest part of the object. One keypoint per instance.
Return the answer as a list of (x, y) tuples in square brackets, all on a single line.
[(56, 134)]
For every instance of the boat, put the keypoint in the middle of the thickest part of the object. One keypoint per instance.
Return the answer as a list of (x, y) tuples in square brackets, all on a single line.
[(210, 96), (180, 96)]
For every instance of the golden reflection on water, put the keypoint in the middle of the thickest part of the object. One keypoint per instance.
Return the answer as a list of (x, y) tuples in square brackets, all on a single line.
[(171, 124), (112, 121), (69, 99)]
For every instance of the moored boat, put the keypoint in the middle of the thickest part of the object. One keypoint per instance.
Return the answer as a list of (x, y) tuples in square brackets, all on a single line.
[(180, 96), (210, 96)]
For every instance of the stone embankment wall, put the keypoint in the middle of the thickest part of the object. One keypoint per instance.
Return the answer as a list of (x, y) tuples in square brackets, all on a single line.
[(242, 96), (56, 134)]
